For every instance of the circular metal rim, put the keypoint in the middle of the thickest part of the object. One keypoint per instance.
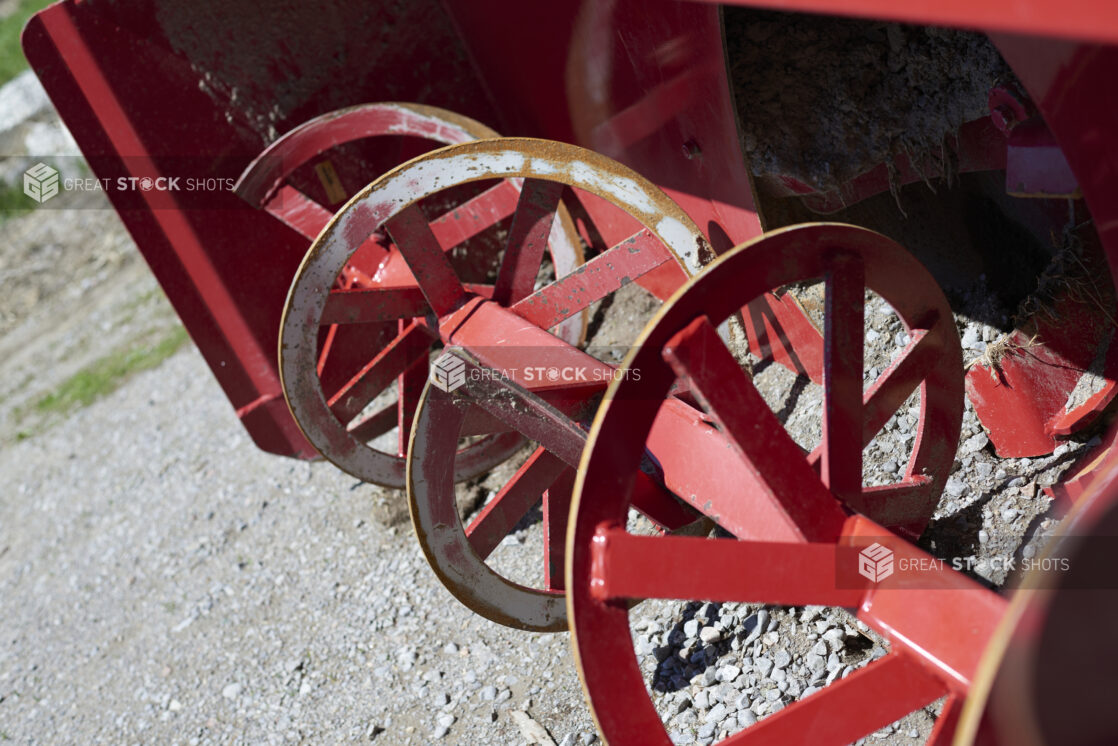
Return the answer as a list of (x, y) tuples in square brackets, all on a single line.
[(407, 184), (591, 621), (439, 530), (278, 161), (353, 457)]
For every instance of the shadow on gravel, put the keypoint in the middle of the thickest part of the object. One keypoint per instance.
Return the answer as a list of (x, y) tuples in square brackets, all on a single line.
[(697, 657)]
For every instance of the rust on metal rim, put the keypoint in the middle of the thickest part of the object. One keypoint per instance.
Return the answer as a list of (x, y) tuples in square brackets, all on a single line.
[(441, 535), (269, 169), (384, 468), (399, 189)]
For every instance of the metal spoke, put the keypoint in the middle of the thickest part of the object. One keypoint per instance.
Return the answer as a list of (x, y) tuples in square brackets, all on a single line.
[(409, 388), (897, 383), (475, 215), (943, 732), (898, 504), (868, 699), (400, 354), (842, 377), (779, 328), (627, 566), (365, 305), (604, 274), (722, 387), (298, 211), (556, 507), (429, 265), (377, 424), (527, 414), (327, 347), (531, 227), (497, 519), (892, 388)]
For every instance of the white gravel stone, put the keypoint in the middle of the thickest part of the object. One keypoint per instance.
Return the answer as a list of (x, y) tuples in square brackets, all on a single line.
[(728, 673), (709, 635), (716, 714), (442, 725), (976, 442)]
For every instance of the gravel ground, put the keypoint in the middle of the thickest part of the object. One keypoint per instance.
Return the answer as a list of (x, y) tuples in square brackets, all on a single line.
[(165, 582)]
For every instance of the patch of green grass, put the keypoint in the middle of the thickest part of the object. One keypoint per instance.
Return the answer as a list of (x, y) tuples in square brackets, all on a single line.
[(13, 201), (12, 61), (104, 376)]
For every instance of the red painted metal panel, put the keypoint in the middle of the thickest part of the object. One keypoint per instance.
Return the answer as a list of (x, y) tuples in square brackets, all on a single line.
[(641, 81), (126, 80), (1079, 19)]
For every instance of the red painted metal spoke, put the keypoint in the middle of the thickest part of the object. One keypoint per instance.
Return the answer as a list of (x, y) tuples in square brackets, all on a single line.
[(475, 215), (327, 346), (943, 732), (365, 305), (722, 387), (897, 383), (485, 291), (409, 388), (898, 504), (400, 354), (480, 422), (657, 504), (527, 414), (429, 265), (531, 227), (298, 211), (604, 274), (556, 508), (627, 566), (497, 519), (842, 377), (779, 329), (893, 387), (866, 700), (377, 424)]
